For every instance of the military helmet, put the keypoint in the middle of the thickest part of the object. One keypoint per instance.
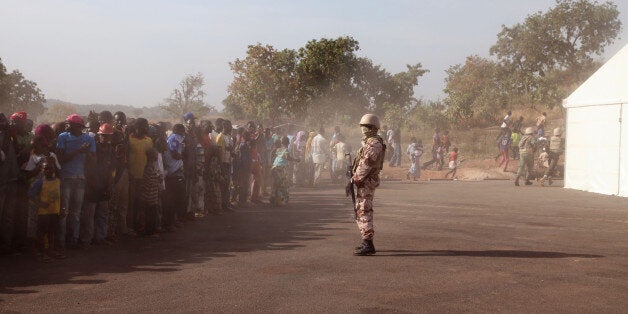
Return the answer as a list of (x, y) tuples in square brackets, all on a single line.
[(529, 130), (557, 132), (370, 119)]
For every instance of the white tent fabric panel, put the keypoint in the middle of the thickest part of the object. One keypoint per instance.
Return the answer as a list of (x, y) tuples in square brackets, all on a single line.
[(623, 152), (608, 85), (592, 146)]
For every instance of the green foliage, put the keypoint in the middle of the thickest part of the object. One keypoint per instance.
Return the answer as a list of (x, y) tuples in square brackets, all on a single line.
[(323, 81), (474, 92), (264, 84), (17, 93), (188, 97), (554, 49), (538, 63)]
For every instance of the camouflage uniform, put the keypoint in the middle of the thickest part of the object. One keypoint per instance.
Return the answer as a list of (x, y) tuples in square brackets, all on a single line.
[(366, 178), (556, 148), (526, 159)]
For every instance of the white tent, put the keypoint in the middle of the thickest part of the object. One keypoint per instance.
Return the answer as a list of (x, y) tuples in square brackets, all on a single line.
[(596, 153)]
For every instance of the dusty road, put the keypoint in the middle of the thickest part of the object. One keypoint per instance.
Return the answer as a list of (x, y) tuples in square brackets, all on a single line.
[(442, 247)]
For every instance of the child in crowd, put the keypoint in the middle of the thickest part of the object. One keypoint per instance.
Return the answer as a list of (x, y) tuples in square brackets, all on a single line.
[(415, 151), (40, 152), (45, 195), (453, 163), (279, 194)]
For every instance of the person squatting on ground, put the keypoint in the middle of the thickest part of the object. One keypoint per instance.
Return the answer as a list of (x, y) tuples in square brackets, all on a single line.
[(556, 148), (526, 157), (366, 168)]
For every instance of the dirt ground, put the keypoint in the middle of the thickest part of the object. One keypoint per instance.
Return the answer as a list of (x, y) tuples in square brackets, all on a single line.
[(443, 246), (469, 170)]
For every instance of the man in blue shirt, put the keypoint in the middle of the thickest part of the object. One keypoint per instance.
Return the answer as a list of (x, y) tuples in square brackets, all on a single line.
[(73, 147)]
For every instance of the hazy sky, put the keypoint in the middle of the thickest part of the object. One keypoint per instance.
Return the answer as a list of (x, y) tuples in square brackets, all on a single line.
[(135, 52)]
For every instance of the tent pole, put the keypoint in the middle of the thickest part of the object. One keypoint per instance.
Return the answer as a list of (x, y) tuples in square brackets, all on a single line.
[(621, 125)]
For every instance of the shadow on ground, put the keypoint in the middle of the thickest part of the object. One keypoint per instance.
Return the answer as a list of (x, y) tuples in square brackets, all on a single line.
[(488, 253), (249, 229)]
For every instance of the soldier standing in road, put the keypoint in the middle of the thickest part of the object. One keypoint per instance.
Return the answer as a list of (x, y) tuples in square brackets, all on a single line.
[(526, 155), (366, 168), (556, 148)]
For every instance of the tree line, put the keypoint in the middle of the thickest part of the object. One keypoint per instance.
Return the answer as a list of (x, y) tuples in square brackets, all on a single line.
[(533, 64)]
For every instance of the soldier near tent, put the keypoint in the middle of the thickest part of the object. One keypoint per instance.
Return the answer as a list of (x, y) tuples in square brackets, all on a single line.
[(556, 148), (366, 168), (526, 159)]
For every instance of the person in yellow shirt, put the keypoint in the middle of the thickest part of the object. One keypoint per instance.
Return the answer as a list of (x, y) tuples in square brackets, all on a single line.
[(45, 195), (139, 143)]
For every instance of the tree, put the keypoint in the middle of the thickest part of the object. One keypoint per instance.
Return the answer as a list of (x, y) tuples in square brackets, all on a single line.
[(58, 112), (17, 93), (264, 85), (555, 49), (188, 97), (323, 81), (474, 92)]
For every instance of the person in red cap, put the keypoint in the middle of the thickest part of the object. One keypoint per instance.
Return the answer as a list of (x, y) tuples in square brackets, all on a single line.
[(73, 148), (22, 138), (99, 183)]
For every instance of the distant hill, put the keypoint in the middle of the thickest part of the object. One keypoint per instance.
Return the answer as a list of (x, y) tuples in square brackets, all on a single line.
[(150, 113)]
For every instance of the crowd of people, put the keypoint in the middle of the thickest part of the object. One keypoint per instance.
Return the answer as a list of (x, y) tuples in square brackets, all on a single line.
[(525, 144), (94, 180)]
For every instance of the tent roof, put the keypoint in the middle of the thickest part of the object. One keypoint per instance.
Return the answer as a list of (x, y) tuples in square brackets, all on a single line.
[(608, 85)]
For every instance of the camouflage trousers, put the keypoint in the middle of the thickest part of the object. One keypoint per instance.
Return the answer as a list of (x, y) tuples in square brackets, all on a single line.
[(526, 166), (364, 204)]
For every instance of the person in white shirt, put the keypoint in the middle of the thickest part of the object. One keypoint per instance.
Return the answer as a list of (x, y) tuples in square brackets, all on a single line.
[(319, 153)]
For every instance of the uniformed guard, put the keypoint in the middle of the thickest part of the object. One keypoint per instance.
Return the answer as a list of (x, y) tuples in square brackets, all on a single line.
[(556, 148), (526, 159), (366, 168)]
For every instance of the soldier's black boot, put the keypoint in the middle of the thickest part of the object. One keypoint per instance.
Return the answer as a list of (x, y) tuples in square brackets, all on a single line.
[(517, 181), (367, 248), (359, 247)]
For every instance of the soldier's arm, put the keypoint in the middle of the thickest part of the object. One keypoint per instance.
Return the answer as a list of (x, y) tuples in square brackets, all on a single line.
[(367, 162)]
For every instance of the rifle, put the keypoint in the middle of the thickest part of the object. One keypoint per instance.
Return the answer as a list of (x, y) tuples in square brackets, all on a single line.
[(350, 188)]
